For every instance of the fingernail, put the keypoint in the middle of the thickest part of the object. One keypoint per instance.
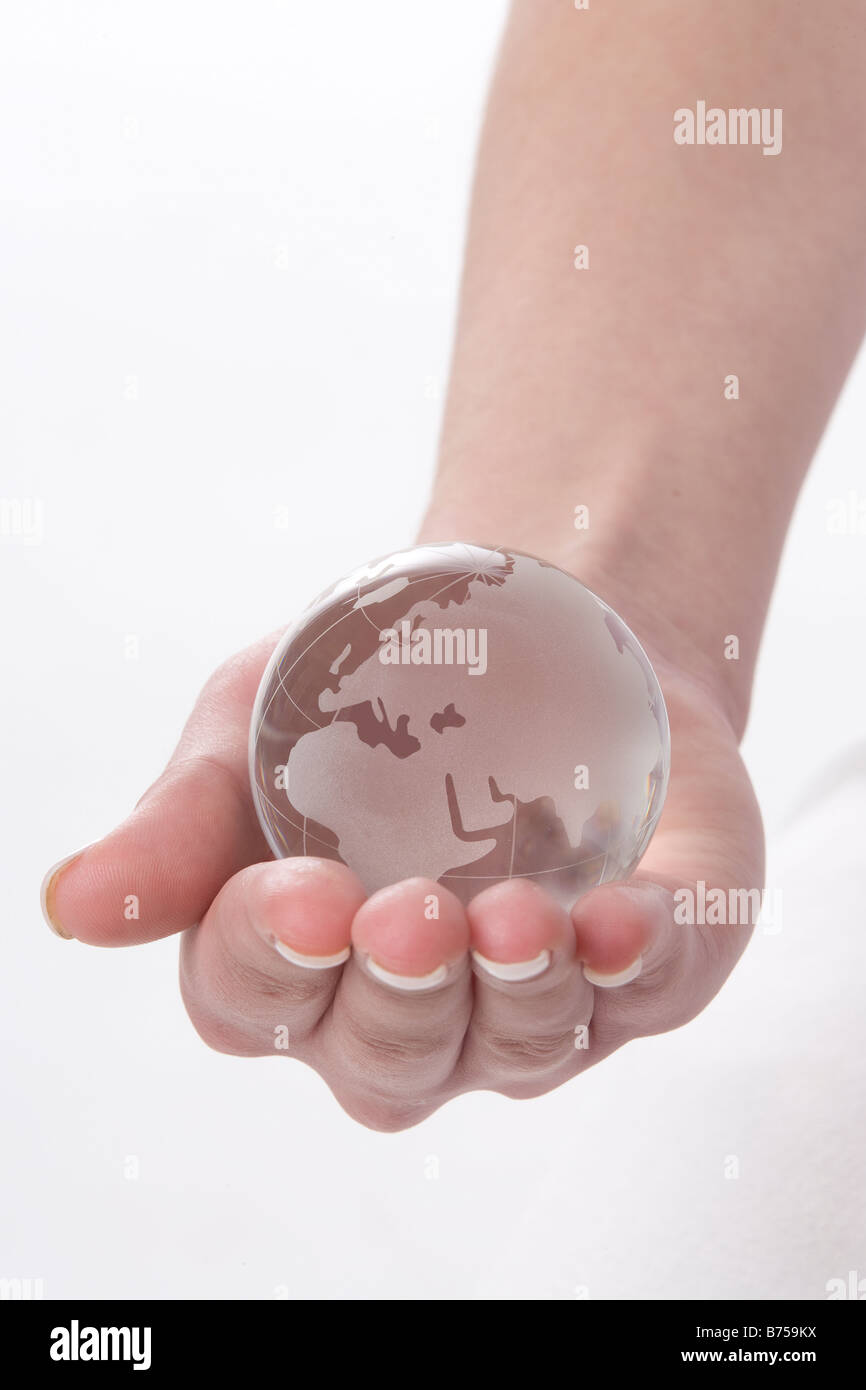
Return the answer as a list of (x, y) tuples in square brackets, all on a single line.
[(310, 962), (48, 889), (406, 982), (513, 970), (622, 977)]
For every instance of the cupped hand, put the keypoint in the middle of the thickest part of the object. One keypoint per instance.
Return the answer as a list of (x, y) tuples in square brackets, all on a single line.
[(405, 999)]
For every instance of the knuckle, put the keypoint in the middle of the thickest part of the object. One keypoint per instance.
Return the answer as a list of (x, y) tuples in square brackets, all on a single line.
[(212, 1006), (251, 1002), (245, 984), (225, 984), (523, 1090), (219, 1032), (382, 1114), (388, 1061), (526, 1052)]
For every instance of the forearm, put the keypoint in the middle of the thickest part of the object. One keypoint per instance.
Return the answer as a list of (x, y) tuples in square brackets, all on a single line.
[(605, 387)]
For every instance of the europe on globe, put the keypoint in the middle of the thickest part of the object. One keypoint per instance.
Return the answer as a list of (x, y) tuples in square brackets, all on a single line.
[(465, 714)]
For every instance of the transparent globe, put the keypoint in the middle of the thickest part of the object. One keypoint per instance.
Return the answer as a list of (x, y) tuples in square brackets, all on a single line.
[(464, 714)]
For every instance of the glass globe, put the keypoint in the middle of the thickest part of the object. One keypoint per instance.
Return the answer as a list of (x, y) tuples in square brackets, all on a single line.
[(465, 714)]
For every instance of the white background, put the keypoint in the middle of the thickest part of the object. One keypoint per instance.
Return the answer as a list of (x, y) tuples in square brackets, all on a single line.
[(231, 237)]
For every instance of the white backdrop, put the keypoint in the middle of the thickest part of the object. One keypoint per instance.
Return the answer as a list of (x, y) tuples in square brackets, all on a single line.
[(230, 245)]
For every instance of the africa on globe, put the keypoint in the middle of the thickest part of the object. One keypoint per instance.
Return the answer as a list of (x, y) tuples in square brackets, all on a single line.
[(464, 714)]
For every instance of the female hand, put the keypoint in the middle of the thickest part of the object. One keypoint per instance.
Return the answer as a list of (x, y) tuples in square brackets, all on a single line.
[(397, 1010)]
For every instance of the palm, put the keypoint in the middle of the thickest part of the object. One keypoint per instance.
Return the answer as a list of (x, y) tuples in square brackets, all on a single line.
[(195, 857)]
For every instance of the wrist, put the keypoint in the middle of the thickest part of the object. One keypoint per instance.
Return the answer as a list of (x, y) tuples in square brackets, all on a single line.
[(633, 577)]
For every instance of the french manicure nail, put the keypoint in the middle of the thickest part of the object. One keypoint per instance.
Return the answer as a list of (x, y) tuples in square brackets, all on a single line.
[(513, 970), (48, 889), (621, 977), (406, 982), (310, 962)]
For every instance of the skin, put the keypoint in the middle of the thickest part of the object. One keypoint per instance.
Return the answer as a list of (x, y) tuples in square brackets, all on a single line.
[(601, 387)]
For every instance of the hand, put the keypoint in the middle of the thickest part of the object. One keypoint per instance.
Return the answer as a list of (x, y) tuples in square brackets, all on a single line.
[(192, 855)]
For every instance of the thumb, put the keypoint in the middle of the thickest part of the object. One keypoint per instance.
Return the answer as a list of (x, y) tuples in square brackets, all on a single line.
[(158, 872)]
